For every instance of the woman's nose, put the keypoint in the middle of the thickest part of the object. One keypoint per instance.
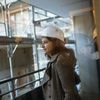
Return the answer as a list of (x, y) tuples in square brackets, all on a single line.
[(42, 45)]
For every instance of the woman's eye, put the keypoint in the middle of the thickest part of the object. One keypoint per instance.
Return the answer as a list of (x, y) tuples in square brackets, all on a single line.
[(44, 42)]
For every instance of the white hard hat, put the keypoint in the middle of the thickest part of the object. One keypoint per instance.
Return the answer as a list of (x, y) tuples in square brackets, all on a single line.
[(54, 32)]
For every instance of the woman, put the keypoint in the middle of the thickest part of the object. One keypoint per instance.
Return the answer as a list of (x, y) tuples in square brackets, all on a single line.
[(58, 82)]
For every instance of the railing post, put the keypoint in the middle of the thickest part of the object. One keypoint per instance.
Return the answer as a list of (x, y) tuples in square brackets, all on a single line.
[(9, 49), (36, 45)]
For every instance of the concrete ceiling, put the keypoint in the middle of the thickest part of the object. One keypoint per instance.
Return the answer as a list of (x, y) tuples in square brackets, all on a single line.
[(61, 7)]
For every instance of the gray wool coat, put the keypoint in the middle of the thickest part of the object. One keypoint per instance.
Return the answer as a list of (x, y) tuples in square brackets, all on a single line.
[(58, 82)]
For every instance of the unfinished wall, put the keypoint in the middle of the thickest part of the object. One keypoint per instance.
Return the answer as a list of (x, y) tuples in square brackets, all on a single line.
[(22, 62)]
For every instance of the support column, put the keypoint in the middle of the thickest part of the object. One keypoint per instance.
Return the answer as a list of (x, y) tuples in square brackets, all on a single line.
[(83, 29)]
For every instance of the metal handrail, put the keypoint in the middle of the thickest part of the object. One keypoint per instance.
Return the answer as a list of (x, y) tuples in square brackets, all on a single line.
[(19, 87), (11, 79)]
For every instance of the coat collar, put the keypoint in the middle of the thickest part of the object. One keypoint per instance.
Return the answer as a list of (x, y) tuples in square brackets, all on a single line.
[(54, 57)]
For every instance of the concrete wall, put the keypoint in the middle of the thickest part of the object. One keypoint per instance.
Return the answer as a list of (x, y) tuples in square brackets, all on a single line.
[(83, 26), (22, 58), (22, 62)]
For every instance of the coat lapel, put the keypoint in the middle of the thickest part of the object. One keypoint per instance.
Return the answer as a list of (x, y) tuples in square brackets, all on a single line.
[(47, 74)]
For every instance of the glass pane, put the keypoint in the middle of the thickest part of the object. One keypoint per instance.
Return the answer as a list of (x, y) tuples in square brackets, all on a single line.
[(2, 29), (39, 17), (50, 14), (39, 11)]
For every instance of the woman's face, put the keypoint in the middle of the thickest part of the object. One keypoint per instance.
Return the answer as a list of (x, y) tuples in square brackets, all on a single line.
[(47, 46)]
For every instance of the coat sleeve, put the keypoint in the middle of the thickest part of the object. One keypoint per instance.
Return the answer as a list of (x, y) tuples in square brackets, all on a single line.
[(65, 67)]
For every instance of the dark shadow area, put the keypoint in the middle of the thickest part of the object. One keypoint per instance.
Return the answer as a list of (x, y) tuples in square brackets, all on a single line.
[(35, 94)]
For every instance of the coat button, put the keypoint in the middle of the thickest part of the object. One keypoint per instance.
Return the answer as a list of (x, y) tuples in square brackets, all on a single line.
[(49, 96)]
